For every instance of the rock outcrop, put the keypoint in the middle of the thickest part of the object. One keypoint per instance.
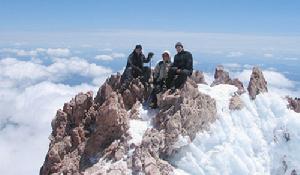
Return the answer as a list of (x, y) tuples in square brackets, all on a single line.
[(88, 133), (294, 104), (222, 77), (198, 77), (184, 113), (257, 83)]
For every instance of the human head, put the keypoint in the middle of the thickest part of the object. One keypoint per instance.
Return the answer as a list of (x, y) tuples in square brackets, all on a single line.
[(179, 47), (138, 49), (166, 56)]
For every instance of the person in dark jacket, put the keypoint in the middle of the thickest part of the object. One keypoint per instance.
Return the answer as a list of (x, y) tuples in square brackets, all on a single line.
[(181, 68), (135, 67)]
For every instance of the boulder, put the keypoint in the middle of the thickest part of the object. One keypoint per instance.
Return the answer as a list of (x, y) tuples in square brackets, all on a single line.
[(236, 103), (198, 77), (222, 77), (257, 83), (294, 104)]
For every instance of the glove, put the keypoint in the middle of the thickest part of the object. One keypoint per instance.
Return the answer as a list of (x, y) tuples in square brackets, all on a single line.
[(150, 55)]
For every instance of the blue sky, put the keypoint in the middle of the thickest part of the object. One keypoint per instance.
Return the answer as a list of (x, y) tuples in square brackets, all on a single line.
[(231, 16)]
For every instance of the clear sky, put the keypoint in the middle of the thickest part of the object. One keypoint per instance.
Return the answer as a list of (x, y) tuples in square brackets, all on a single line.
[(231, 16)]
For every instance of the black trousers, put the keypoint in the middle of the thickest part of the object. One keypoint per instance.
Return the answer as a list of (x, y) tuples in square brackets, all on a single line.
[(175, 80)]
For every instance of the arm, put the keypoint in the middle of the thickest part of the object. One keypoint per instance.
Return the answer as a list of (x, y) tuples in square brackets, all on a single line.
[(147, 60)]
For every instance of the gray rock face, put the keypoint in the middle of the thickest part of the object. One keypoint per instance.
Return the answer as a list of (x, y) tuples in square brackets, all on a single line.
[(294, 104), (257, 83), (236, 103), (222, 77), (198, 77), (184, 113), (146, 157)]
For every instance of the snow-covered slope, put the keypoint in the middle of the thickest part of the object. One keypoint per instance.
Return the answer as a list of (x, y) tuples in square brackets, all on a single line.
[(262, 138)]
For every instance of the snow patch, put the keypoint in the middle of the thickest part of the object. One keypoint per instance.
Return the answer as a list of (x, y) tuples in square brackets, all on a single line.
[(262, 138)]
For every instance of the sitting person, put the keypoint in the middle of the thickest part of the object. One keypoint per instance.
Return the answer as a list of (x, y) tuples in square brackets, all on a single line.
[(135, 67), (180, 69), (159, 77)]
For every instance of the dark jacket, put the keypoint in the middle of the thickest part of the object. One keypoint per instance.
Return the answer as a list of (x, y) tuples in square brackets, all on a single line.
[(135, 60), (184, 61)]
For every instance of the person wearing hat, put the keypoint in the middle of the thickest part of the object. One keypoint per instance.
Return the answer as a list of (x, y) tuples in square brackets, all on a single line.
[(135, 66), (160, 75), (181, 68)]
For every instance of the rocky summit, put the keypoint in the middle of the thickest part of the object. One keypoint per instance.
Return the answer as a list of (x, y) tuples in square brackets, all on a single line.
[(93, 135)]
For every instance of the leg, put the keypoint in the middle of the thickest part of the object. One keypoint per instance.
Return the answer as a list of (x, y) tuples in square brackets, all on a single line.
[(180, 80)]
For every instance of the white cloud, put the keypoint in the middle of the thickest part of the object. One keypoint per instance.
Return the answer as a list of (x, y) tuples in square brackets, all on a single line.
[(274, 79), (232, 65), (110, 57), (118, 55), (14, 72), (20, 52), (234, 54), (291, 59), (29, 113), (104, 57), (30, 94), (268, 55), (58, 52), (52, 52)]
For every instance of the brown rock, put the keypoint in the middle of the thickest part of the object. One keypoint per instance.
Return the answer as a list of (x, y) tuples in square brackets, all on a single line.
[(135, 110), (198, 77), (294, 104), (111, 122), (146, 157), (135, 92), (222, 77), (236, 103), (184, 113), (257, 83)]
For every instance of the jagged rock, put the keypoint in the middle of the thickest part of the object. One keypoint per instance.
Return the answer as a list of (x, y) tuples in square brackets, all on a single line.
[(134, 112), (294, 104), (237, 83), (198, 77), (82, 130), (136, 91), (113, 83), (112, 123), (236, 103), (184, 113), (222, 77), (146, 157), (257, 83), (68, 136)]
